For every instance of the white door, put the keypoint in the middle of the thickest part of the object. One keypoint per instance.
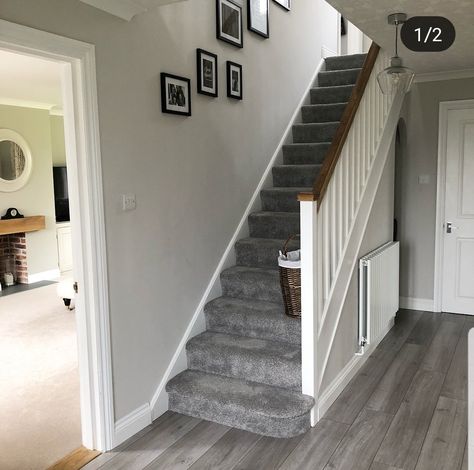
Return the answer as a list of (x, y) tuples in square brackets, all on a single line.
[(458, 256)]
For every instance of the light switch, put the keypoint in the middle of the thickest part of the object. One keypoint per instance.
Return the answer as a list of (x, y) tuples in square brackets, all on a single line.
[(424, 179), (129, 202)]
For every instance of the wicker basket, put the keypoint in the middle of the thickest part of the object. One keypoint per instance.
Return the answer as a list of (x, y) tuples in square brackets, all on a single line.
[(290, 281)]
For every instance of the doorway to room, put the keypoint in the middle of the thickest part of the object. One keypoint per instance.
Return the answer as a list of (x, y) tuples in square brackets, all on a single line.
[(75, 62)]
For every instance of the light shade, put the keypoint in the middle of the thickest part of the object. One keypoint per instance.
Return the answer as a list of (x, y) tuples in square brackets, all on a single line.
[(396, 77)]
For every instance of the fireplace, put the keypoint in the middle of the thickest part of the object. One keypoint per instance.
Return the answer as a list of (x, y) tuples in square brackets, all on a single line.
[(13, 259)]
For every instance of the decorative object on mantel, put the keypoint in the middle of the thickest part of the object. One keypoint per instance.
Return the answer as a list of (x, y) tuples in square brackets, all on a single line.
[(12, 213), (207, 83), (175, 94), (234, 80), (257, 13), (286, 4), (229, 22)]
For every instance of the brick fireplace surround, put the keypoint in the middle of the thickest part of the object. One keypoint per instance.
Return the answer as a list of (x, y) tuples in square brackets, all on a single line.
[(14, 244)]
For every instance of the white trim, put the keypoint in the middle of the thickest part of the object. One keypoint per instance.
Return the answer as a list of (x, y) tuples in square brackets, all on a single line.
[(444, 107), (413, 303), (88, 229), (5, 101), (132, 423), (159, 401), (448, 75), (50, 275), (339, 383)]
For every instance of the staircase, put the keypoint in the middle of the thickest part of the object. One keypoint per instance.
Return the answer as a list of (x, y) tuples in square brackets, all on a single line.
[(245, 370)]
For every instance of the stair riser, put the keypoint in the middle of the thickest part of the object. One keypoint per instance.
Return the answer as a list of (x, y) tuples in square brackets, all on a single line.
[(331, 95), (242, 364), (304, 133), (233, 416), (309, 154), (322, 113), (260, 256), (279, 202), (250, 286), (274, 227), (294, 176), (345, 62), (336, 78), (254, 324)]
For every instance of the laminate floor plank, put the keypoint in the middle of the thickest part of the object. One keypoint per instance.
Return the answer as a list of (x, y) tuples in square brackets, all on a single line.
[(425, 329), (455, 383), (405, 321), (183, 453), (353, 398), (441, 350), (268, 454), (140, 453), (360, 444), (315, 449), (390, 391), (383, 466), (102, 459), (403, 442), (445, 442), (464, 465), (227, 451)]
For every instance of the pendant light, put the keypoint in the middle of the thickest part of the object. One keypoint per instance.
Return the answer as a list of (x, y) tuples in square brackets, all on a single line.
[(396, 77)]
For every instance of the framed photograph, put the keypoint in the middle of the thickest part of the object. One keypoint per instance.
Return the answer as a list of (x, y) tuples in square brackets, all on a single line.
[(229, 22), (234, 80), (175, 94), (257, 11), (286, 4), (206, 73)]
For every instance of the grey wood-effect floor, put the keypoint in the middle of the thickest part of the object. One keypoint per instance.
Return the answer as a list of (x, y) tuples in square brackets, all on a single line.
[(406, 409)]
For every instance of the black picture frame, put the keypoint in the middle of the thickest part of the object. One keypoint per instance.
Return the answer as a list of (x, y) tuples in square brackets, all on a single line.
[(285, 4), (234, 82), (229, 23), (175, 100), (207, 65), (254, 23)]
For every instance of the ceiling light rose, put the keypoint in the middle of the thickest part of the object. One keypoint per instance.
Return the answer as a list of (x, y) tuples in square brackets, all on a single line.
[(396, 77)]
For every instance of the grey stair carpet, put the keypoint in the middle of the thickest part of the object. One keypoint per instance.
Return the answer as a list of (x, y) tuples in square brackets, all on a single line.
[(245, 369)]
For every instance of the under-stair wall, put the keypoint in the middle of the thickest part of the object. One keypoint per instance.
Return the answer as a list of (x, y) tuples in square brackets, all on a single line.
[(334, 217)]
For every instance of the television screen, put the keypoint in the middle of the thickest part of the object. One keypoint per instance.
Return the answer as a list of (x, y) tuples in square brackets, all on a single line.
[(61, 195)]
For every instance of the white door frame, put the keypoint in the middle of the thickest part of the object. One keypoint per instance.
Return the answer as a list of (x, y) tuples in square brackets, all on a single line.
[(444, 108), (88, 228)]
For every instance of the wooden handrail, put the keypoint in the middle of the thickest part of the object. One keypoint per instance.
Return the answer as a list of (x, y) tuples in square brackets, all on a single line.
[(337, 144)]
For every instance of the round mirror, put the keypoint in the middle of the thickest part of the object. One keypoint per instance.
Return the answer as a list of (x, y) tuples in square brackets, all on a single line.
[(12, 160), (15, 161)]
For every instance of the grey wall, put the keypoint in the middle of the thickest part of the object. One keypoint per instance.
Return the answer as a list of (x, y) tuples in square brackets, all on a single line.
[(379, 231), (193, 177), (416, 203)]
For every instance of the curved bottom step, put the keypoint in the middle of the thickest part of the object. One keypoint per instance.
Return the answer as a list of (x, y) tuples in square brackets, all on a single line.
[(262, 409)]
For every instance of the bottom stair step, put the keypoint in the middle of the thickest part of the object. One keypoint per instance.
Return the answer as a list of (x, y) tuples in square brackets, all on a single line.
[(254, 407)]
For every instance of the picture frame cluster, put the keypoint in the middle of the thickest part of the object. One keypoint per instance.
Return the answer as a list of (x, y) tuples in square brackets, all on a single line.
[(176, 90)]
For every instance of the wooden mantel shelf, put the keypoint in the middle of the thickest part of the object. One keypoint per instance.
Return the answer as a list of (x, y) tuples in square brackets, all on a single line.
[(26, 224)]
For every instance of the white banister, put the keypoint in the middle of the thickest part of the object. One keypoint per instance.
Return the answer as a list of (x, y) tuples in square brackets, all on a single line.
[(330, 227)]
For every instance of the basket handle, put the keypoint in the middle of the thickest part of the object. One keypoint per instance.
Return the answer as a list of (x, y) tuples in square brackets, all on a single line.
[(285, 246)]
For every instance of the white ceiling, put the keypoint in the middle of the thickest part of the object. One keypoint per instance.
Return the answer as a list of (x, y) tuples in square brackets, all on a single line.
[(29, 81), (370, 16)]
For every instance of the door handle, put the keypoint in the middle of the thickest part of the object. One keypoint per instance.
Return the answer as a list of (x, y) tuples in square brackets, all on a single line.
[(450, 227)]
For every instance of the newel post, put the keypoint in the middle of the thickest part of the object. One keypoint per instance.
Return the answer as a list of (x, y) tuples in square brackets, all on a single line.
[(309, 314)]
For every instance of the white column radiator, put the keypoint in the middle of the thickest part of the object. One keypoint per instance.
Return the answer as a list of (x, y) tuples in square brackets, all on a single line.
[(378, 293)]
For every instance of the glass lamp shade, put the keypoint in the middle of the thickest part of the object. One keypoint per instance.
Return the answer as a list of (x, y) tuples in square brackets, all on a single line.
[(396, 77)]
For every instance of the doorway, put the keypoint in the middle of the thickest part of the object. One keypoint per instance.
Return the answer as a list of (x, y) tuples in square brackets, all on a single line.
[(78, 83), (454, 263)]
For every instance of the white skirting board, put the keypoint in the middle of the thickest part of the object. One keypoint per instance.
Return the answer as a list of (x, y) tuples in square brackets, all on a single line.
[(159, 402), (132, 423), (50, 275), (413, 303), (335, 388)]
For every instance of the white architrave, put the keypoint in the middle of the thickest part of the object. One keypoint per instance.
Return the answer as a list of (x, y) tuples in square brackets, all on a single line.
[(88, 228)]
